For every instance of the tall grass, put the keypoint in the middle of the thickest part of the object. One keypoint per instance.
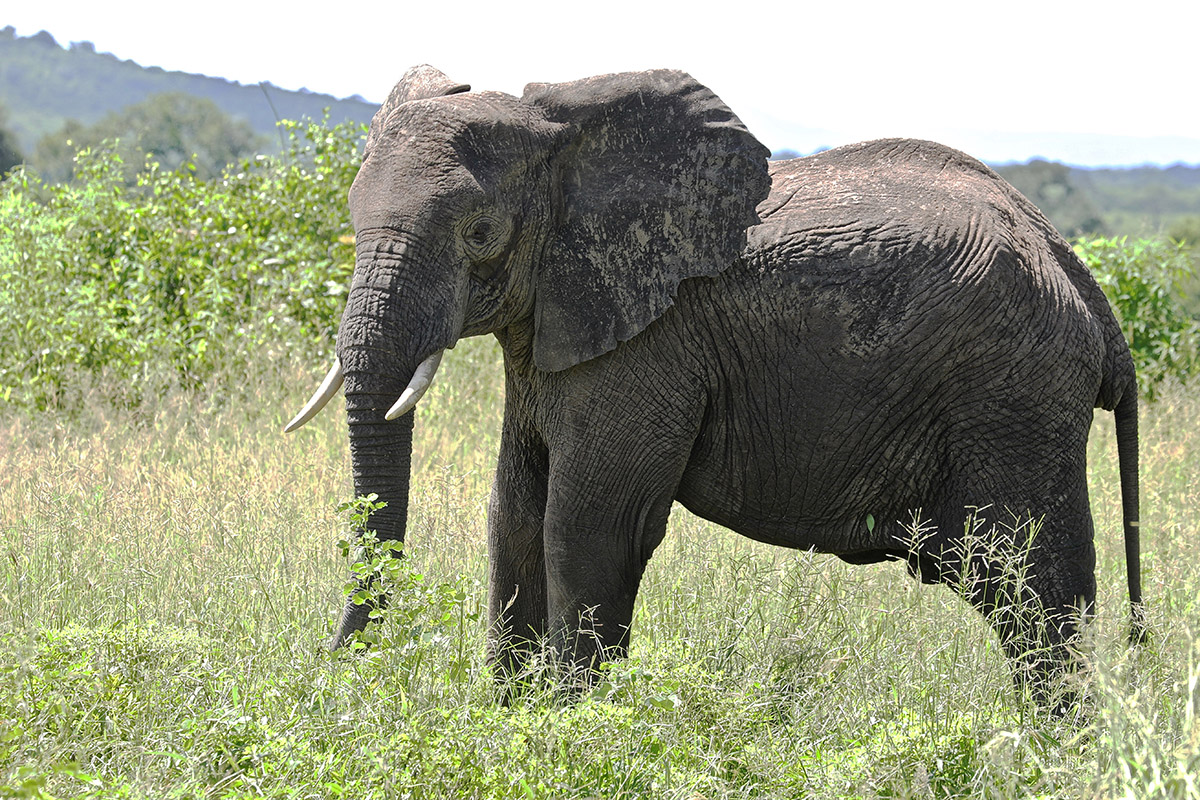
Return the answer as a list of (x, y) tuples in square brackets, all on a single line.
[(169, 575)]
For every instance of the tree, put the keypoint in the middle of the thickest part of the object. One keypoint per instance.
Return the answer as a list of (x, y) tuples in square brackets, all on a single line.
[(173, 129), (1185, 232), (1051, 188)]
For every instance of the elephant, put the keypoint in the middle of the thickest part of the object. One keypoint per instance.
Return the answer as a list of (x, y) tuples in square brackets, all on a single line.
[(806, 352)]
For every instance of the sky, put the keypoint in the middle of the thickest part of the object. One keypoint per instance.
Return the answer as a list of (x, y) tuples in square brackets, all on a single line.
[(1093, 83)]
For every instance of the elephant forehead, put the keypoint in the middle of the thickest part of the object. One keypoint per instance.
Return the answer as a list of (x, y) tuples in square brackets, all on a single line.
[(462, 143), (479, 122), (400, 192)]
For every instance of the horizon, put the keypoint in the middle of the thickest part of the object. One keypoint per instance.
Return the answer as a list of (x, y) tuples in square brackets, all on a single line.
[(910, 73)]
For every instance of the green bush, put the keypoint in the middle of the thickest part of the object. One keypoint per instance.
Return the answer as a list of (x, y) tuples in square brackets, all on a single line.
[(1143, 280), (176, 275)]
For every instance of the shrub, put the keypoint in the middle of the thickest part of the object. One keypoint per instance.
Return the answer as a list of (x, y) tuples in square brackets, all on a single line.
[(176, 274), (1143, 281)]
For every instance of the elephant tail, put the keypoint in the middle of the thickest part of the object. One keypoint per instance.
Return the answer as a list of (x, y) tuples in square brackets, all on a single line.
[(1126, 413)]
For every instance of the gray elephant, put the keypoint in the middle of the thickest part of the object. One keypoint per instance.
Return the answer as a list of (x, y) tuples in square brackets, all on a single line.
[(803, 352)]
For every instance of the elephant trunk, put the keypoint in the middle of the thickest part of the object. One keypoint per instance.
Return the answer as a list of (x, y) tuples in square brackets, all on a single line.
[(381, 459), (387, 345)]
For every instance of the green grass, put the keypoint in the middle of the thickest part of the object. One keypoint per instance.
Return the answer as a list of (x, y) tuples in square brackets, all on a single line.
[(169, 575)]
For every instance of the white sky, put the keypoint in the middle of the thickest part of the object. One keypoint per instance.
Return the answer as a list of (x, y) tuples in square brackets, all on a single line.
[(958, 72)]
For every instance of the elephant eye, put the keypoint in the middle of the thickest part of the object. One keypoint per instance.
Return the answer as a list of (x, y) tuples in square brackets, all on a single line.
[(481, 232), (484, 237)]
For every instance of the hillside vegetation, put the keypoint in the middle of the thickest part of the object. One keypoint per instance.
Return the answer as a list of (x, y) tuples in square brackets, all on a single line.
[(43, 86), (1139, 201), (170, 562)]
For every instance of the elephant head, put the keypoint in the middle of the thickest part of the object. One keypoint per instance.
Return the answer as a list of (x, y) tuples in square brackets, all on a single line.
[(563, 220)]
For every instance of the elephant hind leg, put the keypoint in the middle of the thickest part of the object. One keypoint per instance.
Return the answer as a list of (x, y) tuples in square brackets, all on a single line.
[(1035, 594)]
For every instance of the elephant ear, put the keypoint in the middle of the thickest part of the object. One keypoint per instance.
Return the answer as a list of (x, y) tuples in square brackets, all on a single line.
[(659, 181), (419, 83)]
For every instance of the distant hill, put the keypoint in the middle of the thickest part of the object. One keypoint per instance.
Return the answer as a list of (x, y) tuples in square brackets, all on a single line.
[(42, 85), (1164, 198)]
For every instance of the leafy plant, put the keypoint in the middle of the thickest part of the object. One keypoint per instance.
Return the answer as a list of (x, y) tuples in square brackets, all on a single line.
[(417, 614), (176, 279), (1143, 280)]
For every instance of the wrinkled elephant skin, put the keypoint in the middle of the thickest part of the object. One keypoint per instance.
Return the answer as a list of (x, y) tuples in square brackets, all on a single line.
[(805, 352)]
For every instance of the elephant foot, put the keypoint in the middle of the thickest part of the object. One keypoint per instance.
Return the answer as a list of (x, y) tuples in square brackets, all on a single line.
[(542, 669), (1053, 677)]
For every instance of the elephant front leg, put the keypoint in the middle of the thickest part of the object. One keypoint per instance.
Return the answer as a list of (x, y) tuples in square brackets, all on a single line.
[(615, 463), (516, 556), (600, 533)]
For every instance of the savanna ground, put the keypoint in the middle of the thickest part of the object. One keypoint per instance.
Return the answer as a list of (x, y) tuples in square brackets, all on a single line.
[(170, 574), (170, 563)]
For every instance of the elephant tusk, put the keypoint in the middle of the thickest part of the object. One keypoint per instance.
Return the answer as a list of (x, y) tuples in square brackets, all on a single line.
[(327, 389), (421, 380)]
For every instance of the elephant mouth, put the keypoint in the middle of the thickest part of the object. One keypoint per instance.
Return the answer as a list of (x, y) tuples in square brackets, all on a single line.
[(418, 384)]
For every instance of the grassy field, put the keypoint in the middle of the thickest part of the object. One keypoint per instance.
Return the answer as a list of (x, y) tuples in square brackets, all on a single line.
[(169, 575)]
